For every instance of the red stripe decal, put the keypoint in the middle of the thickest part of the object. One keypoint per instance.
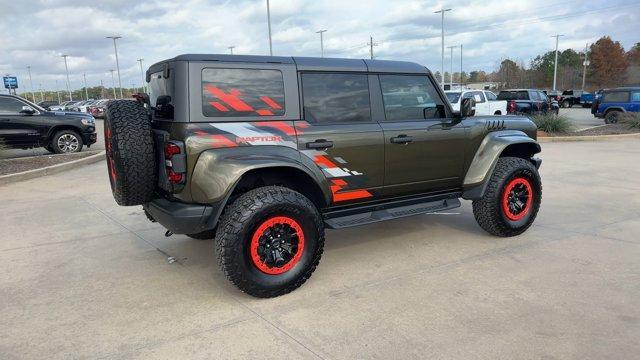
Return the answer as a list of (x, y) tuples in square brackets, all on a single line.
[(347, 195), (269, 101), (280, 125), (264, 112), (223, 141), (323, 160), (231, 98), (218, 106)]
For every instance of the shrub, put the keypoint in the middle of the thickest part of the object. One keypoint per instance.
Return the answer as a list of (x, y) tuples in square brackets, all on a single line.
[(2, 149), (632, 120), (552, 123)]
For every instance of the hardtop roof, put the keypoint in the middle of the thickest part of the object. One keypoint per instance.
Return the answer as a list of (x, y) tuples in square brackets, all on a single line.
[(305, 63)]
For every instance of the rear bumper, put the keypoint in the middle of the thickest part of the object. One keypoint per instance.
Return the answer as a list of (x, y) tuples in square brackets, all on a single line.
[(181, 218)]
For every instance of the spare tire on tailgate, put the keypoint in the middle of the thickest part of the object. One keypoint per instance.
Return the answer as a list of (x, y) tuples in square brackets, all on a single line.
[(131, 160)]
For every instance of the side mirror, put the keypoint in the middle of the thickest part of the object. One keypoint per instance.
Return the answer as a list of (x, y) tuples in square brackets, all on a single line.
[(27, 110), (468, 107)]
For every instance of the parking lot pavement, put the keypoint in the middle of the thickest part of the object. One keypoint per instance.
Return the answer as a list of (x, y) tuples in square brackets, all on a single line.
[(83, 278), (99, 145), (582, 118)]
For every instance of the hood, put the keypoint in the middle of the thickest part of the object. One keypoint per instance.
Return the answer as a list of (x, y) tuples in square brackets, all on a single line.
[(69, 114)]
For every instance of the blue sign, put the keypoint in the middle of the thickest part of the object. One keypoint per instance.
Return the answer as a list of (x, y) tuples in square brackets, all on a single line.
[(10, 82)]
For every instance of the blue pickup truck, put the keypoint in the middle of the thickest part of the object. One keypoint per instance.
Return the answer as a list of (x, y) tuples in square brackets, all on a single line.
[(614, 102)]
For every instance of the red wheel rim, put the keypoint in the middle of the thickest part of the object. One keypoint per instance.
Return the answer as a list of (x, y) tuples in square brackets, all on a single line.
[(517, 198), (109, 150), (277, 245)]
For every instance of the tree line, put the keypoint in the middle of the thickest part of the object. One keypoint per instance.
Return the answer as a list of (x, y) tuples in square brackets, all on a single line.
[(609, 66)]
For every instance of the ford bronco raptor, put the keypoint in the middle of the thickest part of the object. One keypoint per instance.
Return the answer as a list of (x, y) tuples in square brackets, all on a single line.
[(264, 153)]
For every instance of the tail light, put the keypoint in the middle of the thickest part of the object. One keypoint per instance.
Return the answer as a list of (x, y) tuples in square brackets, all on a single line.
[(511, 107), (174, 162)]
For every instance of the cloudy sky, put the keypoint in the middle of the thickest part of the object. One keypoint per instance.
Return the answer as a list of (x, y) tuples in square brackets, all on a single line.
[(36, 33)]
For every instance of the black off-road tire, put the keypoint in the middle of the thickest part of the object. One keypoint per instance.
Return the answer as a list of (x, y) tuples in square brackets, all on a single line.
[(205, 235), (243, 218), (489, 211), (612, 116), (131, 159), (56, 149)]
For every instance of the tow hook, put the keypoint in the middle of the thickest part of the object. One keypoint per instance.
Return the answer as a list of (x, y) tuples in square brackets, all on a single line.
[(168, 233)]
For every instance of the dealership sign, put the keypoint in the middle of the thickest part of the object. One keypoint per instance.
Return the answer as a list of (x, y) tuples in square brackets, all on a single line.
[(10, 82)]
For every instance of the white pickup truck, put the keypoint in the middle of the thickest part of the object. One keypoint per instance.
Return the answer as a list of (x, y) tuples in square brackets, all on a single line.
[(487, 103)]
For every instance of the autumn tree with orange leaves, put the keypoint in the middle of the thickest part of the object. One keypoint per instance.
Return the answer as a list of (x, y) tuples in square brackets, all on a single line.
[(608, 63)]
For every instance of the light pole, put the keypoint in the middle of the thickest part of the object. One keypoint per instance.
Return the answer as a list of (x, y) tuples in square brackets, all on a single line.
[(585, 64), (58, 92), (86, 92), (113, 82), (115, 49), (41, 93), (33, 97), (67, 69), (461, 67), (269, 24), (321, 41), (451, 68), (555, 64), (371, 45), (231, 49), (144, 84), (442, 11)]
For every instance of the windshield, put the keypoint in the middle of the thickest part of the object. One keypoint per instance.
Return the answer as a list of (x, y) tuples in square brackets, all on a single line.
[(453, 97), (513, 95)]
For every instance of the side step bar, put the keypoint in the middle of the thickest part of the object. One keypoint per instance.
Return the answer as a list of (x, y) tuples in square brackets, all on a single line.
[(391, 213)]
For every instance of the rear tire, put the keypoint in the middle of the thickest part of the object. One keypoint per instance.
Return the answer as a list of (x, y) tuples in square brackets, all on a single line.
[(246, 241), (512, 198), (566, 104), (131, 160)]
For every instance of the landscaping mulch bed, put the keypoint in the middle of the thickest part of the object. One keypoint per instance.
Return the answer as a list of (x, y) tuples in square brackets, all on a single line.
[(608, 129), (12, 166)]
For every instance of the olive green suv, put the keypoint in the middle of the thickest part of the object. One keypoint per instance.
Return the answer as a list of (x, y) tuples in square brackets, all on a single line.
[(264, 153)]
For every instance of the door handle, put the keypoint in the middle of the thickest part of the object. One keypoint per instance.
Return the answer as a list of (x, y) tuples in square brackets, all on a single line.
[(401, 139), (320, 144)]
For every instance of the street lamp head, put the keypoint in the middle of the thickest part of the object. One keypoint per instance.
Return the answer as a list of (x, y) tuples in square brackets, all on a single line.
[(321, 31), (114, 37), (441, 11)]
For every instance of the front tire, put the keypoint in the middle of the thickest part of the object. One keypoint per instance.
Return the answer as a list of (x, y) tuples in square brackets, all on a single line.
[(66, 142), (269, 241), (512, 198), (611, 117)]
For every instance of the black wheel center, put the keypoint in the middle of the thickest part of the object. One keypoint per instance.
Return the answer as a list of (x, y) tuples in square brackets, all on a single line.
[(278, 245), (517, 199)]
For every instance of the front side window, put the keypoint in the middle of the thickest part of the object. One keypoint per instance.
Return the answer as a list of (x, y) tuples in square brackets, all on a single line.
[(242, 92), (635, 96), (618, 96), (409, 97), (491, 96), (478, 97), (335, 98), (9, 105)]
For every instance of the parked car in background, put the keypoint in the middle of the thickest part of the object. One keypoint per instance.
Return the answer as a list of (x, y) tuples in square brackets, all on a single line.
[(487, 102), (528, 101), (47, 104), (70, 105), (59, 107), (587, 98), (80, 106), (85, 106), (25, 125), (554, 95), (614, 102), (570, 98), (98, 108)]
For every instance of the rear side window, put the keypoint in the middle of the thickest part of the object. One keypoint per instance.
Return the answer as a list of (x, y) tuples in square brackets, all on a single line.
[(409, 97), (618, 96), (335, 98), (513, 95), (635, 96), (242, 92)]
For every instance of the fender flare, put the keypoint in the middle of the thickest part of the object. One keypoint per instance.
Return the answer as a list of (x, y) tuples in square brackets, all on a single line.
[(217, 172), (486, 158)]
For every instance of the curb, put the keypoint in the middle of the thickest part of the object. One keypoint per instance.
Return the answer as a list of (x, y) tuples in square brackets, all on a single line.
[(50, 170), (588, 138)]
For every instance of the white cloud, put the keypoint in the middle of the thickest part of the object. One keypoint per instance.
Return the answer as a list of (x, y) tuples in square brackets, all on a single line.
[(35, 33)]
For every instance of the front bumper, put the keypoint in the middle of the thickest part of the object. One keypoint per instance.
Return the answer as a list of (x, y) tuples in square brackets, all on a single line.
[(89, 138), (182, 218)]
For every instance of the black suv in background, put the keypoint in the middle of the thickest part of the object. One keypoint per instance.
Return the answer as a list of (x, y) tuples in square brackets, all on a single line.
[(24, 125), (528, 102)]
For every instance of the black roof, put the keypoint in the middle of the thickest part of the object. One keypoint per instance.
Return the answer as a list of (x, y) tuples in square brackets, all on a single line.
[(308, 63)]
